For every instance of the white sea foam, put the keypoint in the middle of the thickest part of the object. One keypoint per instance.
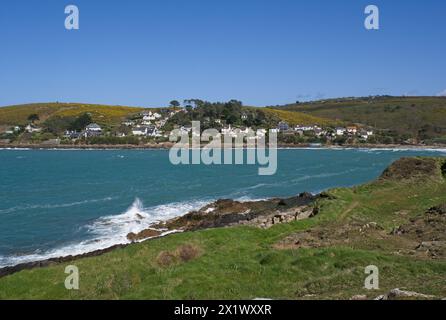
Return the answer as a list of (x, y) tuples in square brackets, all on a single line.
[(112, 230)]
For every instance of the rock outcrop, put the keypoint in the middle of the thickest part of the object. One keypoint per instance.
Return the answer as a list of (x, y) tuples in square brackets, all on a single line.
[(398, 294), (145, 234), (414, 168), (263, 214)]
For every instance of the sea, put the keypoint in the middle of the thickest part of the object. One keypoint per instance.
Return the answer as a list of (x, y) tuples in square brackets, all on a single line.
[(55, 203)]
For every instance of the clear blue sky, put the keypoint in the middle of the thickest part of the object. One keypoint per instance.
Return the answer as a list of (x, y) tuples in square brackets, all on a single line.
[(263, 52)]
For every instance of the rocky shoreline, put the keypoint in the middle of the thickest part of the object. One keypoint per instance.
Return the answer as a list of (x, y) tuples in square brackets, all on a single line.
[(219, 214)]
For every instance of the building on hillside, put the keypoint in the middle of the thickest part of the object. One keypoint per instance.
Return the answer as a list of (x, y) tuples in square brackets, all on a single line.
[(93, 127), (30, 128), (283, 126), (305, 128), (352, 130), (146, 131), (129, 123), (340, 131), (70, 134), (140, 131), (92, 130), (261, 133), (365, 134), (229, 131)]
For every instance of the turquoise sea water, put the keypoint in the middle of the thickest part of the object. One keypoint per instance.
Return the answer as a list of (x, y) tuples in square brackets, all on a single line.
[(56, 203)]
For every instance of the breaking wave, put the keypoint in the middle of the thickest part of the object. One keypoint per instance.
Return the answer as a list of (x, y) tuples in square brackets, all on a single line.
[(108, 231)]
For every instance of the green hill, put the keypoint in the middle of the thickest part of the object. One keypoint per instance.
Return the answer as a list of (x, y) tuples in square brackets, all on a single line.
[(109, 115), (421, 117), (113, 115), (294, 118)]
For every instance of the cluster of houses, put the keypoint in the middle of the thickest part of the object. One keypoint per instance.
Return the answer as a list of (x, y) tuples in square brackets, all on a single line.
[(145, 124), (30, 128), (286, 129), (330, 133), (301, 130), (92, 130), (149, 123)]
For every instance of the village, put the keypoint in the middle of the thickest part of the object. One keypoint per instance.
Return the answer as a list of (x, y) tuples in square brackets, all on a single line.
[(156, 126)]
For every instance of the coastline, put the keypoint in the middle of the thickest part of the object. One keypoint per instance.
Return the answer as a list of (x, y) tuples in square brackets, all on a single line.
[(217, 214), (184, 226), (168, 145)]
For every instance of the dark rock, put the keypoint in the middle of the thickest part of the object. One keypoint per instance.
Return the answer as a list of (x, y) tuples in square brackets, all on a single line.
[(145, 234), (441, 209)]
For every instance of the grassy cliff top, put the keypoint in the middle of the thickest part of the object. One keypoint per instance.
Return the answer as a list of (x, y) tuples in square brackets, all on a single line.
[(396, 223)]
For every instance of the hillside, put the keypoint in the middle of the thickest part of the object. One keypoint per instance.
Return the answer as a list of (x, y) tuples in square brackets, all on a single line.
[(397, 223), (113, 115), (108, 115), (421, 117), (295, 118)]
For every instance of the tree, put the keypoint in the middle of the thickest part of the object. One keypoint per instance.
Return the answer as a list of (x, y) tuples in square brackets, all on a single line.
[(174, 103), (33, 117), (81, 122)]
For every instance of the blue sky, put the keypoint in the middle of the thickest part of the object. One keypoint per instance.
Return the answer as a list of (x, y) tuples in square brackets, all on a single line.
[(263, 52)]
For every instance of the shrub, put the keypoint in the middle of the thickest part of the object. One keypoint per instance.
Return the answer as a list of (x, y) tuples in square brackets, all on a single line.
[(165, 259), (188, 252), (183, 253)]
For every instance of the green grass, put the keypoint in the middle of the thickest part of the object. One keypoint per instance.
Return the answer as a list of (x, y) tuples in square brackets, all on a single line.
[(244, 263)]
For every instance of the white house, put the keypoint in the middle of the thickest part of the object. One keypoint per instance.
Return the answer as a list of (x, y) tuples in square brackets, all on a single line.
[(148, 131), (93, 127), (30, 128), (243, 130), (304, 128), (151, 116), (366, 134), (186, 129), (148, 118), (92, 130), (352, 130), (229, 131), (140, 131), (128, 123), (340, 131)]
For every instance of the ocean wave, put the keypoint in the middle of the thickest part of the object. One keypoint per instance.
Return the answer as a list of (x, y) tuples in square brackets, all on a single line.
[(324, 175), (53, 206), (380, 150), (111, 230)]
